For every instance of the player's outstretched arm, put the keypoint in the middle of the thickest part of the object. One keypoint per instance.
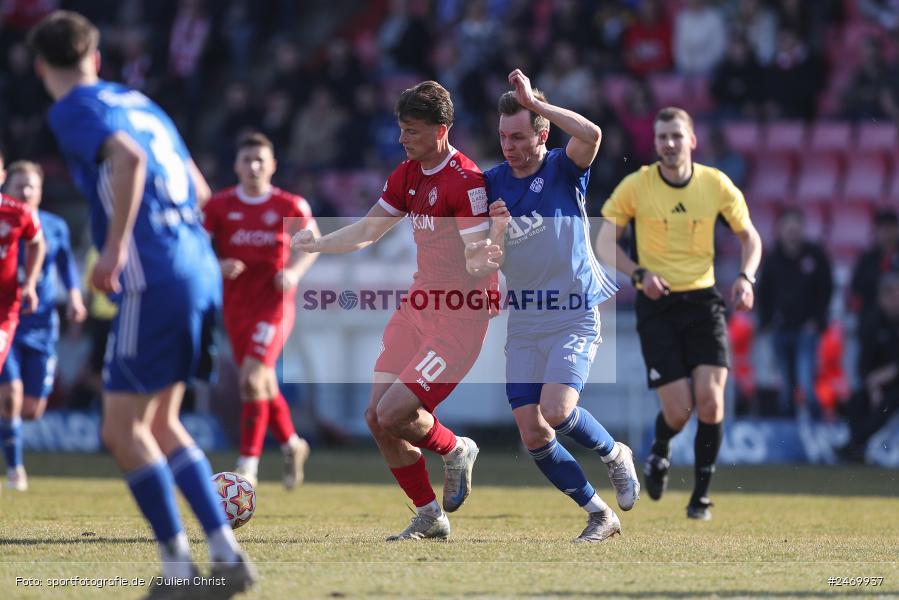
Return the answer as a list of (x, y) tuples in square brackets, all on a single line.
[(742, 294), (653, 285), (585, 135), (298, 265), (360, 234), (127, 163), (35, 250)]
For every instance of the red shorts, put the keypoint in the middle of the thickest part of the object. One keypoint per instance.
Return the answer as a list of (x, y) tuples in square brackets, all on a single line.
[(7, 333), (260, 336), (430, 352)]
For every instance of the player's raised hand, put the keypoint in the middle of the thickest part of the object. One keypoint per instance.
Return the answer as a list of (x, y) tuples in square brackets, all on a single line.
[(741, 295), (481, 256), (232, 267), (524, 94), (109, 265), (286, 280), (304, 240), (500, 218), (655, 286)]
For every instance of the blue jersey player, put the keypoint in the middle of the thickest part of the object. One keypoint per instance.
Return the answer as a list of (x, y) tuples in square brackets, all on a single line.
[(27, 376), (554, 288), (129, 161)]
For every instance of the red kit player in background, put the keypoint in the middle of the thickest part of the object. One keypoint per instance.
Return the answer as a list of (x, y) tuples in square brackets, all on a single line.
[(252, 241), (425, 352), (17, 221)]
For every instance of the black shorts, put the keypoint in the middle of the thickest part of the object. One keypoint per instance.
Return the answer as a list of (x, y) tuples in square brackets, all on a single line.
[(681, 331)]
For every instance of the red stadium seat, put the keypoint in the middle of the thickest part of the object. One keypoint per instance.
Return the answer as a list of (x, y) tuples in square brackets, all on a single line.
[(669, 89), (772, 179), (785, 136), (831, 136), (617, 88), (743, 136), (850, 228), (880, 137), (865, 177), (818, 178)]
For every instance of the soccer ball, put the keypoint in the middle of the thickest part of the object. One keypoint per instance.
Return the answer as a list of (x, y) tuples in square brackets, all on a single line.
[(237, 495)]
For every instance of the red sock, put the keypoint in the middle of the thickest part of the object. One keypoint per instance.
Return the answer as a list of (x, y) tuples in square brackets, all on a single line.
[(279, 420), (439, 439), (253, 421), (415, 482)]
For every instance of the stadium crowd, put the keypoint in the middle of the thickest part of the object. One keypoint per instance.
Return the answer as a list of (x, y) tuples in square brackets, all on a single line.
[(798, 102)]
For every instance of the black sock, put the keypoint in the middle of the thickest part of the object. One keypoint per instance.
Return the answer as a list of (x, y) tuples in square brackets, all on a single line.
[(664, 433), (708, 441)]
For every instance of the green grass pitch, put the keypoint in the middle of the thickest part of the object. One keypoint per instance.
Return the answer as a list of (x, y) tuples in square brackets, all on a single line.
[(777, 532)]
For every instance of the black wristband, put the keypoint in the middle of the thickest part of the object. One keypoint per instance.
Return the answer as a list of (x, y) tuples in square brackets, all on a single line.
[(637, 276)]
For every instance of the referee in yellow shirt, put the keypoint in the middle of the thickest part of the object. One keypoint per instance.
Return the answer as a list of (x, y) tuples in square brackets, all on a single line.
[(674, 204)]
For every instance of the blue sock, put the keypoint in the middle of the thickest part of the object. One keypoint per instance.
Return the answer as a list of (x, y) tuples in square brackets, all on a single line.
[(563, 471), (154, 491), (194, 478), (11, 438), (584, 429)]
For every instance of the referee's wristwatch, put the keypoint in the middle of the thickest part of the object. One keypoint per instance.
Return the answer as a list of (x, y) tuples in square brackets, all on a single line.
[(637, 276), (747, 277)]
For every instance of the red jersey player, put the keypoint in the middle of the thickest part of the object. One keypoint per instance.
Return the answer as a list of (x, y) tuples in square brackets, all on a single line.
[(17, 221), (252, 241), (427, 348)]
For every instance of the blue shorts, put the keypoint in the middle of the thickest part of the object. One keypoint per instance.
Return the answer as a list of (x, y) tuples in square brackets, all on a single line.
[(156, 336), (35, 368), (562, 357)]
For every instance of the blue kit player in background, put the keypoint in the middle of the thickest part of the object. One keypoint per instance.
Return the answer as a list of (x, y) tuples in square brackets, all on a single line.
[(156, 261), (27, 376), (547, 248)]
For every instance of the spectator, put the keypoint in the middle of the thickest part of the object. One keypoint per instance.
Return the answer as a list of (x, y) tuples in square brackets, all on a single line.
[(758, 25), (878, 398), (613, 163), (700, 37), (187, 41), (793, 79), (315, 141), (736, 82), (275, 122), (646, 45), (405, 37), (23, 104), (872, 92), (795, 287), (566, 77), (476, 36), (882, 258), (137, 61), (637, 119)]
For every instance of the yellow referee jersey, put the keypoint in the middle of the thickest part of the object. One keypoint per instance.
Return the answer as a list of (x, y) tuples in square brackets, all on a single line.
[(676, 224)]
